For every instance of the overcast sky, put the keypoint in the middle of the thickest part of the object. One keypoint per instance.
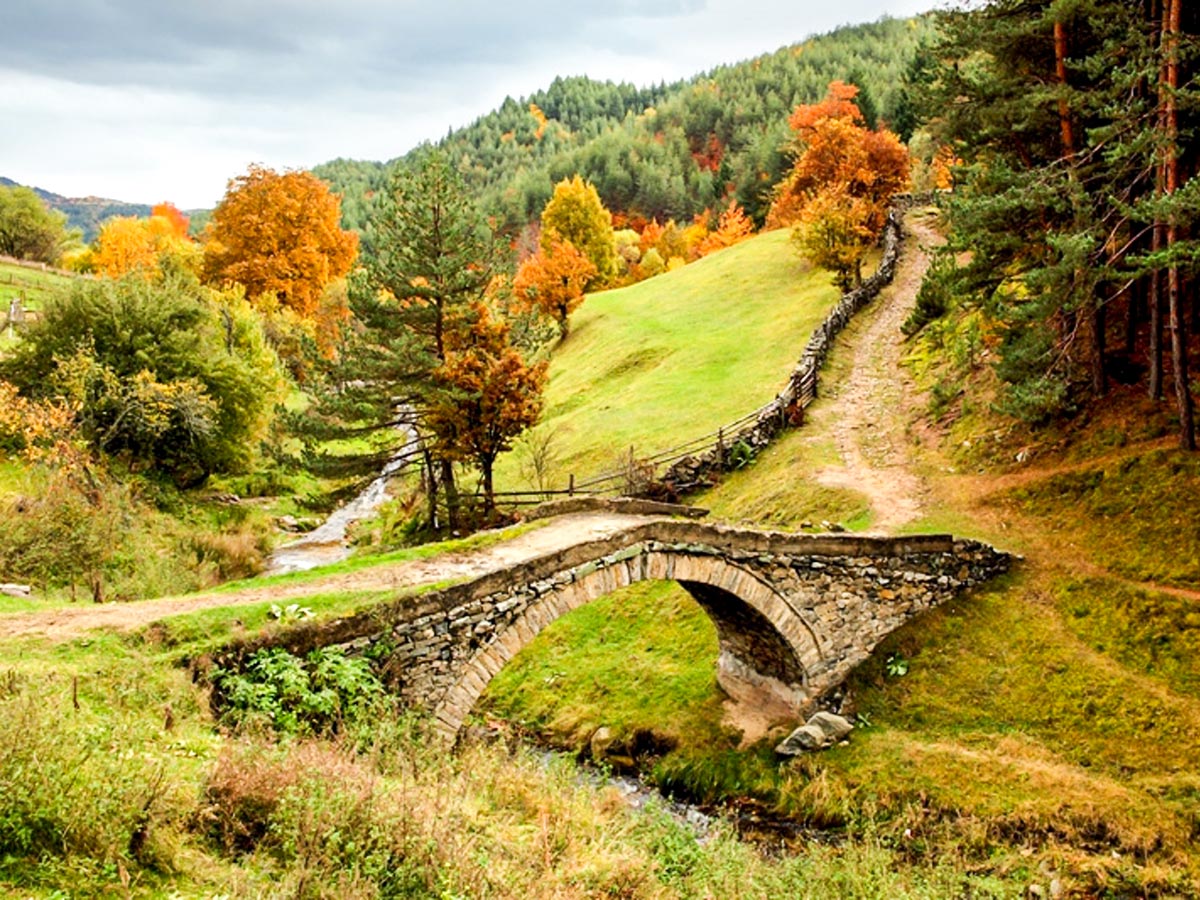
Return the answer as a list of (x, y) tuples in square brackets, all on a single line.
[(150, 100)]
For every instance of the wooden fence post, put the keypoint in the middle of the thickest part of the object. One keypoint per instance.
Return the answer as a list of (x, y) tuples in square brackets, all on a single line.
[(571, 486)]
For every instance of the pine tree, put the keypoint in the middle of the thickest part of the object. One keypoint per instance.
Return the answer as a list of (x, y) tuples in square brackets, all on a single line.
[(434, 258), (1067, 115)]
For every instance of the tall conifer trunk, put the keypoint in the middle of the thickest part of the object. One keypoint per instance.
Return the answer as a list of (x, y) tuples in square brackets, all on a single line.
[(1179, 361), (1094, 305), (1154, 294)]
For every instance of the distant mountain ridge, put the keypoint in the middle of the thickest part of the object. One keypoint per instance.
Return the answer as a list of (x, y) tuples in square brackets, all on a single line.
[(666, 151), (85, 213)]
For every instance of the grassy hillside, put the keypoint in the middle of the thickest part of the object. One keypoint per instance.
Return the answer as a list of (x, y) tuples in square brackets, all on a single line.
[(30, 283), (677, 356), (1044, 730)]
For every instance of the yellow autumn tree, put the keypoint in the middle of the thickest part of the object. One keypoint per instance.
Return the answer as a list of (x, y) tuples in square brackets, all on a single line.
[(279, 233), (575, 214), (844, 176), (832, 233)]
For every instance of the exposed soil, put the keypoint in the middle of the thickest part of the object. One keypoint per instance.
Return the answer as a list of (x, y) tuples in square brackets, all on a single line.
[(557, 534), (867, 432)]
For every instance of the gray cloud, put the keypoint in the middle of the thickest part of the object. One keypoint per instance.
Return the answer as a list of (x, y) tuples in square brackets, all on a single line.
[(285, 47), (166, 99)]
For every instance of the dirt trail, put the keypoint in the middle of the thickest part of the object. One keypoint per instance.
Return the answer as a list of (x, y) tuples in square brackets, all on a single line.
[(866, 431), (565, 531)]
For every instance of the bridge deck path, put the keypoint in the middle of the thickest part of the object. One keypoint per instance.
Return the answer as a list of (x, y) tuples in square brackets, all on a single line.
[(64, 623)]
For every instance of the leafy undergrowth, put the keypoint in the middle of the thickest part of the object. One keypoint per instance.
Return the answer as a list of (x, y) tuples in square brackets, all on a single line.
[(113, 780), (674, 357)]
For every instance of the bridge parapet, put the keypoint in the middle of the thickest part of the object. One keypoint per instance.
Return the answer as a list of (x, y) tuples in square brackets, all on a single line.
[(793, 613)]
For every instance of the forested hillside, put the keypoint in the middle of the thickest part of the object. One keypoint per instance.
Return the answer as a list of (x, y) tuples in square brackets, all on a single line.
[(666, 151), (1072, 255)]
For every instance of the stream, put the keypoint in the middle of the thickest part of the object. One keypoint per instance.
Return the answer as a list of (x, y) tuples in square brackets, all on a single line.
[(750, 820), (327, 543)]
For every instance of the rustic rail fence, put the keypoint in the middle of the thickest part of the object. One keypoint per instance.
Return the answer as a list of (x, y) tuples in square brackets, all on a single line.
[(695, 464)]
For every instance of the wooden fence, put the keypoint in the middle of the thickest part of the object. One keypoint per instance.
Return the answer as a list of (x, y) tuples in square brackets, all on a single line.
[(694, 464)]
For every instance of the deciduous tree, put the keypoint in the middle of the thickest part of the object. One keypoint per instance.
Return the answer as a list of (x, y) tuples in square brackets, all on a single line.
[(832, 233), (490, 396), (280, 233), (576, 214), (841, 183), (834, 150), (170, 213), (29, 229), (734, 226), (553, 280), (164, 372)]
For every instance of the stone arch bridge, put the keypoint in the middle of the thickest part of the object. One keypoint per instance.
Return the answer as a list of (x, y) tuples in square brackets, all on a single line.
[(794, 613)]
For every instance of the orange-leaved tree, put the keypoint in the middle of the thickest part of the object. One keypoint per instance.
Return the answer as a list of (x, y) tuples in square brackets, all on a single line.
[(734, 226), (279, 233), (553, 280), (846, 172), (171, 214), (489, 395)]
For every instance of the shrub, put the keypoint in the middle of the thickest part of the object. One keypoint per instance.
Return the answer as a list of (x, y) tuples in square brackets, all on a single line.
[(167, 373), (67, 788), (320, 694), (60, 536), (240, 553)]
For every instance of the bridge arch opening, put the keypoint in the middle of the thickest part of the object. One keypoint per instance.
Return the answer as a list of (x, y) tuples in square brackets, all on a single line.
[(763, 647)]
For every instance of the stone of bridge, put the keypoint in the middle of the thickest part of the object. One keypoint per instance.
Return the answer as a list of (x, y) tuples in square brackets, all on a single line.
[(794, 614)]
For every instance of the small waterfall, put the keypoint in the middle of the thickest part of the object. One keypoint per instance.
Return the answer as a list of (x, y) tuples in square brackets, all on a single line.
[(326, 543)]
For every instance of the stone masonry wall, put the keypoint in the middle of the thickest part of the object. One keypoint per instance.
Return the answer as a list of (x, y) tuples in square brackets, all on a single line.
[(830, 598)]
